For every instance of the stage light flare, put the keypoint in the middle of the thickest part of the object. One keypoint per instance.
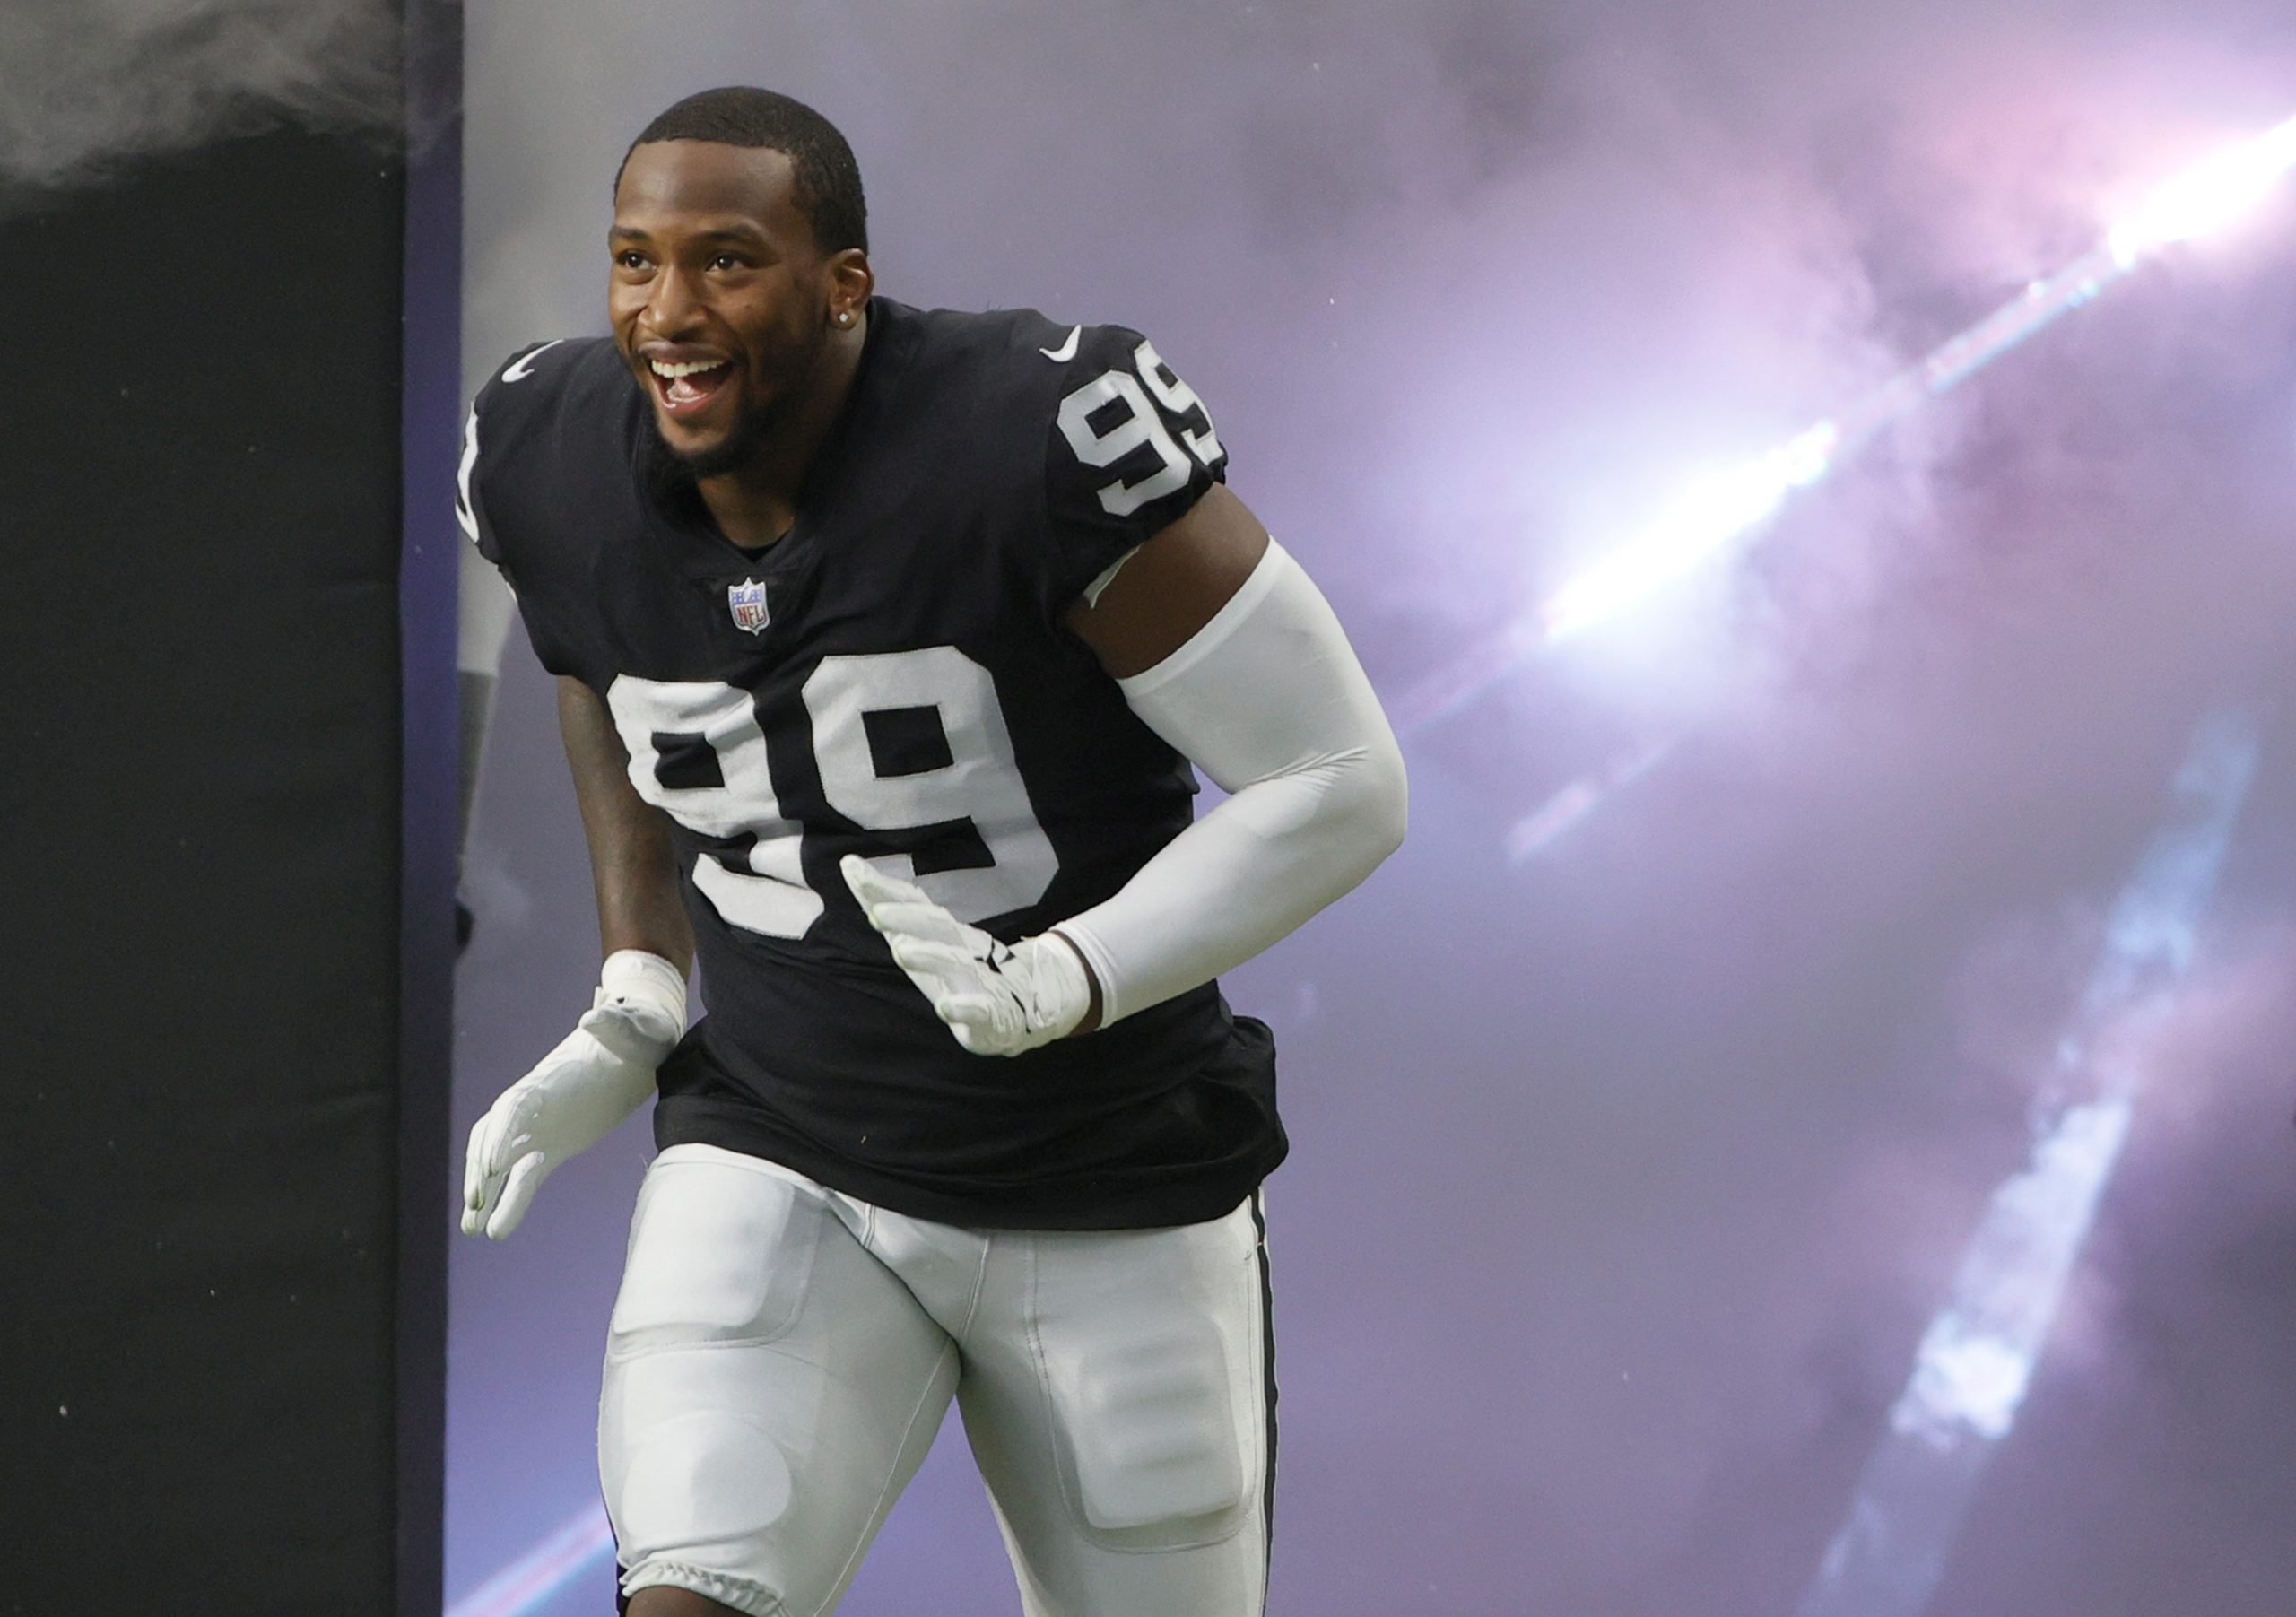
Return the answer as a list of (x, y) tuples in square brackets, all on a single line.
[(1727, 508), (1703, 519), (2210, 195)]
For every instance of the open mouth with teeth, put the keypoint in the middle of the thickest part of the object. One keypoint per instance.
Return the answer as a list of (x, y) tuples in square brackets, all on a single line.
[(686, 387)]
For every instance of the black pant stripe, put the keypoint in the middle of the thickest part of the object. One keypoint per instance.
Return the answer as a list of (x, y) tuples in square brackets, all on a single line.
[(1267, 1336)]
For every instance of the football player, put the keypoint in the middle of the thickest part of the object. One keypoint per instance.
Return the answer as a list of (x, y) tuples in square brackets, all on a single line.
[(885, 640)]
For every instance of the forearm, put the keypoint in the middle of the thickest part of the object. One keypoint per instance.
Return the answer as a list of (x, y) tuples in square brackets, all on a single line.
[(1269, 701), (633, 868), (638, 902)]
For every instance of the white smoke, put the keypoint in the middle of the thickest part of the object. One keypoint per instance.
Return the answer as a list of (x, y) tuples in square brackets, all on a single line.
[(89, 85)]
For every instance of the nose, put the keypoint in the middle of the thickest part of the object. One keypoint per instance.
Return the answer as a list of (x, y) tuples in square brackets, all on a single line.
[(671, 307)]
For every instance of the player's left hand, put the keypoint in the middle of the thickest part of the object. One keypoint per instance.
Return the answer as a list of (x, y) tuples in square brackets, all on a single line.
[(998, 999)]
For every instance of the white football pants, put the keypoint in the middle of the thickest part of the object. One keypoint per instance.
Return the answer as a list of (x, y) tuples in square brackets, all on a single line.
[(781, 1356)]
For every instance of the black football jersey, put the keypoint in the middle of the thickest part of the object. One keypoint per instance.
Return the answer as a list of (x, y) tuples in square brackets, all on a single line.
[(892, 678)]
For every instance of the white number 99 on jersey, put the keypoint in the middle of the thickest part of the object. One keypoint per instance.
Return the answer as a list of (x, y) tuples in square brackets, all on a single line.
[(1110, 418), (733, 798)]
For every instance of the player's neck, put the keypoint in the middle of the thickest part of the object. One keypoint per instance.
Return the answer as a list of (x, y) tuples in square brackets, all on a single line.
[(755, 504)]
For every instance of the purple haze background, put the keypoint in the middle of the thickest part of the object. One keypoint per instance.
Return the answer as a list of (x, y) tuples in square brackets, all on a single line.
[(1625, 1180)]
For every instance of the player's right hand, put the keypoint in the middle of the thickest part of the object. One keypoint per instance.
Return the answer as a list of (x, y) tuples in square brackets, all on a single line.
[(599, 1073), (997, 998)]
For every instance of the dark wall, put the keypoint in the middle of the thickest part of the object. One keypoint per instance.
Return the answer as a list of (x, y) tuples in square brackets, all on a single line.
[(200, 779), (431, 792)]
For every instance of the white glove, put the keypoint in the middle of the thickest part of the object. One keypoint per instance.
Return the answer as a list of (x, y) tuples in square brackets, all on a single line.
[(998, 999), (600, 1073)]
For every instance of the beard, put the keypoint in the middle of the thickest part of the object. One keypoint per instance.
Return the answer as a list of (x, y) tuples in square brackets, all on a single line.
[(678, 472), (751, 427)]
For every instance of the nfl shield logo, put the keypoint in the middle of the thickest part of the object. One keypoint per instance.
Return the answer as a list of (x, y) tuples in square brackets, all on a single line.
[(746, 602)]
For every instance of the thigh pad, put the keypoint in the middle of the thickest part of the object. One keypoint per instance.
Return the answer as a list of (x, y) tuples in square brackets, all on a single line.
[(1159, 1403), (719, 1251)]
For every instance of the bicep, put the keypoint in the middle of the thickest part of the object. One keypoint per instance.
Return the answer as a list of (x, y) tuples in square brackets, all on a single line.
[(594, 750), (1172, 586)]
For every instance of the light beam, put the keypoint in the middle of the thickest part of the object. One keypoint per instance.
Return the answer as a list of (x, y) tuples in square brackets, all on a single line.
[(1561, 814), (542, 1573), (1976, 1360)]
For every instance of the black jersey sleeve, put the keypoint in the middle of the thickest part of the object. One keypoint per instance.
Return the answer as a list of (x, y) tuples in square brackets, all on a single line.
[(490, 425), (1132, 448), (470, 510), (505, 448)]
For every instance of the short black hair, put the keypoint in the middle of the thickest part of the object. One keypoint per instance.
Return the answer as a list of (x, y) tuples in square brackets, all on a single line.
[(825, 180)]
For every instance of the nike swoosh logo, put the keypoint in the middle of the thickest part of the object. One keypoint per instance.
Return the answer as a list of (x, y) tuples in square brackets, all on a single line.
[(524, 368), (1067, 349)]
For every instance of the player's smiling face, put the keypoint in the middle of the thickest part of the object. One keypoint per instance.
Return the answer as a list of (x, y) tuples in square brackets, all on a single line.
[(721, 301)]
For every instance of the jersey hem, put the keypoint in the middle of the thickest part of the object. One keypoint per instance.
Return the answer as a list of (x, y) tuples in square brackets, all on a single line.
[(1144, 1197)]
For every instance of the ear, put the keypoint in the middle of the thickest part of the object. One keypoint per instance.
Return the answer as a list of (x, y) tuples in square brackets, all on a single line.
[(850, 283)]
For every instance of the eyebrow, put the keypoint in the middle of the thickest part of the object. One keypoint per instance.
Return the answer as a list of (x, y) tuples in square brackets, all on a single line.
[(746, 235)]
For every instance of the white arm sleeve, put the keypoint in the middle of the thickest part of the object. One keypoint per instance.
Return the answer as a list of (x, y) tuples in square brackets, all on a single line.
[(1268, 700)]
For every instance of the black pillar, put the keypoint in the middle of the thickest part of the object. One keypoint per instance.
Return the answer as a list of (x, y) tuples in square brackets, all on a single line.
[(227, 802)]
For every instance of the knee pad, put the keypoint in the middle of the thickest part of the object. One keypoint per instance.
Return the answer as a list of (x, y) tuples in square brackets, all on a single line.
[(694, 1498)]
